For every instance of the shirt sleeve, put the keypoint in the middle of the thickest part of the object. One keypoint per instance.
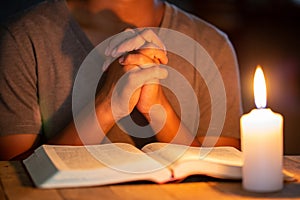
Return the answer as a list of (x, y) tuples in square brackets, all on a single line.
[(220, 114), (223, 55), (19, 108), (231, 77)]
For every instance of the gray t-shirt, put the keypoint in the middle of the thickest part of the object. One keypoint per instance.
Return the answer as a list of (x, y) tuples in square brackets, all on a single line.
[(42, 49)]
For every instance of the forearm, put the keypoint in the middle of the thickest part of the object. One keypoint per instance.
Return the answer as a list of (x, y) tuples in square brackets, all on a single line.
[(89, 128), (173, 131)]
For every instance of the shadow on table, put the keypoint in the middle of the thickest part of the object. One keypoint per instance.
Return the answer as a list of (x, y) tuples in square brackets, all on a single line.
[(22, 174), (189, 179), (290, 190)]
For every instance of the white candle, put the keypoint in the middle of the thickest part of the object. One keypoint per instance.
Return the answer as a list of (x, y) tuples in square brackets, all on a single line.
[(262, 143)]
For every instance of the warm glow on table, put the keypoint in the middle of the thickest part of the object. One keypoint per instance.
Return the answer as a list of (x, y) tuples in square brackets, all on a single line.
[(262, 143)]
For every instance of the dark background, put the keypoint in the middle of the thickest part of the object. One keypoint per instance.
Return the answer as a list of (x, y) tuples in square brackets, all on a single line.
[(264, 32)]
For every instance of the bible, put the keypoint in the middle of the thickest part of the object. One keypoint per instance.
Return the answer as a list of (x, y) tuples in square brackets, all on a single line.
[(60, 166)]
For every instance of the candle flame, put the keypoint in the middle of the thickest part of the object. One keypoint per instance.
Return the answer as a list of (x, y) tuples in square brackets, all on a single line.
[(260, 90)]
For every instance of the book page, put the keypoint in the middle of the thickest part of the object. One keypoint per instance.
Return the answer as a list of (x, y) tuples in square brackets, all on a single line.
[(126, 158), (72, 157), (171, 153), (118, 156)]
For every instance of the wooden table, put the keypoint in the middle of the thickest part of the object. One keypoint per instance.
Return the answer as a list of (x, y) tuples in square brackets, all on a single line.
[(16, 184)]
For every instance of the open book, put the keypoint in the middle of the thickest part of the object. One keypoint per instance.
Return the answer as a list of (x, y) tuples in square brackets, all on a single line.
[(56, 166)]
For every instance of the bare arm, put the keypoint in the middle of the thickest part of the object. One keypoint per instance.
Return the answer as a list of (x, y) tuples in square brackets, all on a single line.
[(16, 144), (173, 131), (19, 146)]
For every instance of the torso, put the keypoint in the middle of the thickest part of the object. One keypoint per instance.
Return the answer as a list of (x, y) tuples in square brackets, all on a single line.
[(105, 23)]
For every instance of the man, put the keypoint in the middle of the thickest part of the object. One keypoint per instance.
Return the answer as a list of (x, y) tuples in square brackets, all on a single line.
[(45, 47)]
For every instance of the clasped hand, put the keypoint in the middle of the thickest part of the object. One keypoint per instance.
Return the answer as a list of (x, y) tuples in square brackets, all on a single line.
[(133, 78)]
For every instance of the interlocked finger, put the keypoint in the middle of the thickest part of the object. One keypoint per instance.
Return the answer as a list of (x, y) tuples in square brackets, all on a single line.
[(132, 40), (119, 39), (150, 37), (137, 59), (152, 51)]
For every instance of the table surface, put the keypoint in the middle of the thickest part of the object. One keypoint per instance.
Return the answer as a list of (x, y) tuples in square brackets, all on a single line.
[(16, 184)]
